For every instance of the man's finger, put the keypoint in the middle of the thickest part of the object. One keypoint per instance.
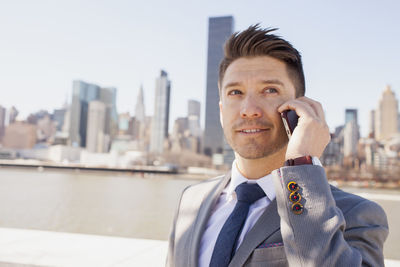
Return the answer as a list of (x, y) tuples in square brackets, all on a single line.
[(302, 109), (315, 105)]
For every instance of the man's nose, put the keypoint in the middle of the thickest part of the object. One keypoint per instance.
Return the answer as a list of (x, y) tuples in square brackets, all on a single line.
[(250, 108)]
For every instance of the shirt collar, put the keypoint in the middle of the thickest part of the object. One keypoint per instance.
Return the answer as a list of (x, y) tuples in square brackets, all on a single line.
[(266, 183)]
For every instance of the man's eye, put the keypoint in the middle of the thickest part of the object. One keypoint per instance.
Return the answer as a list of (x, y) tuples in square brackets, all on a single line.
[(270, 90), (234, 92)]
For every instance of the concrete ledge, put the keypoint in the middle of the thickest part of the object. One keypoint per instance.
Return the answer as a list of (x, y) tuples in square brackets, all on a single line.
[(20, 247), (34, 248)]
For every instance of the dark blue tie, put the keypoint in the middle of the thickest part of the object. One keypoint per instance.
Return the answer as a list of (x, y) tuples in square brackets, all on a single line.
[(224, 248)]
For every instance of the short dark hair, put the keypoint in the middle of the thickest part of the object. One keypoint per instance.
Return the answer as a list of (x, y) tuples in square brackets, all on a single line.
[(256, 41)]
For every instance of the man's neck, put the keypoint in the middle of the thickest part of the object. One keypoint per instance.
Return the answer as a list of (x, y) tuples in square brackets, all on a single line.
[(257, 168)]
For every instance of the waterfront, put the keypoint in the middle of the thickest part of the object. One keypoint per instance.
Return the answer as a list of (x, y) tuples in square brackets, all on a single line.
[(118, 204)]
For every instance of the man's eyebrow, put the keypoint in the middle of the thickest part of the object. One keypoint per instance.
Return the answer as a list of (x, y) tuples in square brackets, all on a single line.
[(273, 81), (232, 84)]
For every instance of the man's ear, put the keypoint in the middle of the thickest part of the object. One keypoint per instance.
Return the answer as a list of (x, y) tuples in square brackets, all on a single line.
[(220, 114)]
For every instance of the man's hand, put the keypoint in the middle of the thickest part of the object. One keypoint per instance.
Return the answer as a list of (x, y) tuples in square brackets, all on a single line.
[(311, 135)]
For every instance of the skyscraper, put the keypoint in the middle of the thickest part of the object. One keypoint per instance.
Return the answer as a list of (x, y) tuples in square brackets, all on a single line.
[(386, 115), (82, 94), (351, 133), (96, 139), (109, 97), (350, 139), (194, 118), (139, 127), (159, 131), (140, 113), (351, 115), (219, 30)]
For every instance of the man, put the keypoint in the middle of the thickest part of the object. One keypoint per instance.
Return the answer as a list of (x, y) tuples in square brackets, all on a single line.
[(275, 207)]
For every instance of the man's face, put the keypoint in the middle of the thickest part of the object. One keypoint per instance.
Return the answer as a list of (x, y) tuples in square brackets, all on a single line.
[(251, 91)]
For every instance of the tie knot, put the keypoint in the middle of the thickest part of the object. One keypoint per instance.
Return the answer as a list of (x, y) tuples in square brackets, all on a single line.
[(249, 193)]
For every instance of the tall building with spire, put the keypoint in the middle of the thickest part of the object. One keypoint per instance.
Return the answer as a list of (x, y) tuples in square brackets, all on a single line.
[(159, 125), (219, 30), (140, 113), (386, 115)]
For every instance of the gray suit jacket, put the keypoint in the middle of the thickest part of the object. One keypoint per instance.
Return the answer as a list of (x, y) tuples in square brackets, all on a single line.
[(335, 229)]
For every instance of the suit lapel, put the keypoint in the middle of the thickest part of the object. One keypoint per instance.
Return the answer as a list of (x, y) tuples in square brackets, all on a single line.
[(267, 224), (203, 215)]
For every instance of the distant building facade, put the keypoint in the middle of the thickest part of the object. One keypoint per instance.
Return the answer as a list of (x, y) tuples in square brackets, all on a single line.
[(386, 116), (139, 123), (351, 115), (331, 155), (20, 135), (46, 129), (194, 118), (58, 117), (350, 136), (140, 111), (3, 111), (159, 132), (12, 115), (123, 123), (219, 30), (371, 128), (351, 133), (83, 93), (109, 97), (97, 139)]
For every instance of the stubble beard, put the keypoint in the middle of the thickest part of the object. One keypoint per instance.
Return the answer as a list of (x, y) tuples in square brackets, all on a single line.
[(256, 148)]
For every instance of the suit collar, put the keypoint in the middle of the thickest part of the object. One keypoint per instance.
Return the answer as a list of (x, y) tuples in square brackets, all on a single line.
[(266, 183), (203, 215)]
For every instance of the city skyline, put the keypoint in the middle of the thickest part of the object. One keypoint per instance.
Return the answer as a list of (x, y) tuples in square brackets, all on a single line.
[(348, 61), (59, 113), (130, 139)]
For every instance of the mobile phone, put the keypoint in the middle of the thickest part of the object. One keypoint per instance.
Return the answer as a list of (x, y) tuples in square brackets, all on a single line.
[(290, 119)]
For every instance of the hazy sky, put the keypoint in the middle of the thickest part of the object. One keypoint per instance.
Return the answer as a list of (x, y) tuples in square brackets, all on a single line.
[(350, 49)]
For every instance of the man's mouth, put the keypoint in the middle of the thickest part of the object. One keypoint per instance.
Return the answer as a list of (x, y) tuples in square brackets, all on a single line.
[(252, 131)]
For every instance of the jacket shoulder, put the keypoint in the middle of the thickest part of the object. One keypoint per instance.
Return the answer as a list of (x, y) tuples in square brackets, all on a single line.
[(211, 182), (347, 202)]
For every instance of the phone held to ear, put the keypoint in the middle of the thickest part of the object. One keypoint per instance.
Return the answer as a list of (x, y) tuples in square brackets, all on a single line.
[(290, 119)]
